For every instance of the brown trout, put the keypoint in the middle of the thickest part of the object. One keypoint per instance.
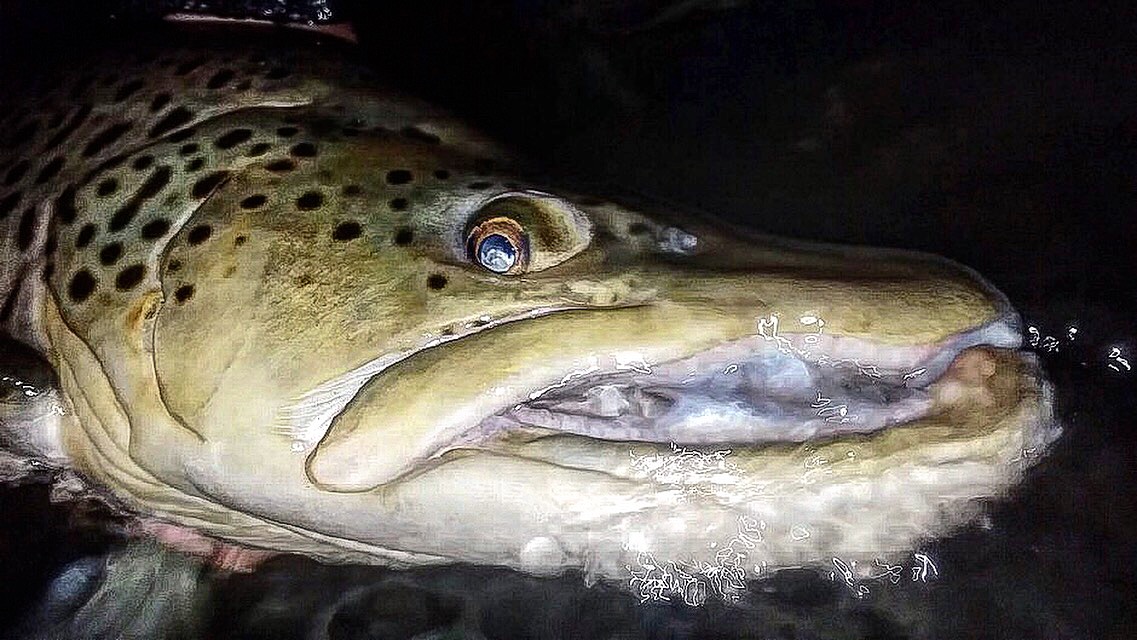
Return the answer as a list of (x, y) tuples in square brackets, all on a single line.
[(294, 310)]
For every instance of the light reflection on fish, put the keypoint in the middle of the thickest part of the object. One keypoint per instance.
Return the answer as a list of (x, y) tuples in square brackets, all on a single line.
[(293, 310)]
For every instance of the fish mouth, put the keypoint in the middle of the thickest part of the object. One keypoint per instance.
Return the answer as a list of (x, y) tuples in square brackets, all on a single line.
[(757, 390), (750, 392)]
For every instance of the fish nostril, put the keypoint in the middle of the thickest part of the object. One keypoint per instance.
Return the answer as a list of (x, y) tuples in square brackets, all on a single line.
[(677, 241)]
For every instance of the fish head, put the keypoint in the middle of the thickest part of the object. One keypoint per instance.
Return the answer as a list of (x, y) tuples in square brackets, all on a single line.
[(370, 334)]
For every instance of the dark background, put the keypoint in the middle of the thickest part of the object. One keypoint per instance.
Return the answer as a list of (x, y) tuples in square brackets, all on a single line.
[(1000, 135)]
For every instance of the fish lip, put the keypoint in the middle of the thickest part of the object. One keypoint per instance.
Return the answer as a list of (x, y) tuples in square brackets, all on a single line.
[(911, 371)]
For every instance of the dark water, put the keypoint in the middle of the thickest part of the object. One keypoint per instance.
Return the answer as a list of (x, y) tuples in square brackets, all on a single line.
[(1003, 138)]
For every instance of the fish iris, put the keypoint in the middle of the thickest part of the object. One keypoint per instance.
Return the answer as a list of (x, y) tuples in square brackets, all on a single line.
[(497, 253)]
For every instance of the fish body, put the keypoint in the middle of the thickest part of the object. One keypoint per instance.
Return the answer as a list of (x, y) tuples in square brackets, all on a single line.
[(294, 310)]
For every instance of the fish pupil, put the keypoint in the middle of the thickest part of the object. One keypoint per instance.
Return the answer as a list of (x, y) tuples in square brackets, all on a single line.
[(497, 253)]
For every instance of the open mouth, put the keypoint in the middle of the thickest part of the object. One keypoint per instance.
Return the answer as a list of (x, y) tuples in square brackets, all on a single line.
[(756, 390), (592, 383)]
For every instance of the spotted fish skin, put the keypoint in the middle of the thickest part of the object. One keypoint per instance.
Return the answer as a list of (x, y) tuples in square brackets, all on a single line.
[(98, 175), (251, 271)]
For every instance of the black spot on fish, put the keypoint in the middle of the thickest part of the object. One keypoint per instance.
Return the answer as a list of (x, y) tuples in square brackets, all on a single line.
[(9, 203), (278, 73), (280, 166), (105, 137), (85, 236), (27, 228), (152, 187), (404, 236), (240, 240), (287, 132), (172, 120), (233, 138), (258, 149), (15, 173), (72, 124), (345, 231), (183, 293), (142, 162), (129, 277), (253, 201), (398, 204), (206, 185), (50, 170), (243, 85), (399, 176), (159, 101), (82, 286), (199, 234), (638, 228), (481, 184), (110, 254), (184, 134), (188, 66), (65, 206), (441, 174), (175, 265), (195, 164), (309, 201), (128, 89), (188, 149), (107, 187), (436, 281), (220, 79), (304, 150), (351, 190), (415, 133), (155, 229)]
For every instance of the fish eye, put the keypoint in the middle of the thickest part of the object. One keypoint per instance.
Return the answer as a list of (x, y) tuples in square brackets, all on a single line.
[(498, 244)]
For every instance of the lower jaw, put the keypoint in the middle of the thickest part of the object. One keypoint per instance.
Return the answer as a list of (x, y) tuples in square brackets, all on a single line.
[(860, 498)]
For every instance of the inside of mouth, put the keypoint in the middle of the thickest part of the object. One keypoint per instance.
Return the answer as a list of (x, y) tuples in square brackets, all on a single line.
[(756, 390)]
